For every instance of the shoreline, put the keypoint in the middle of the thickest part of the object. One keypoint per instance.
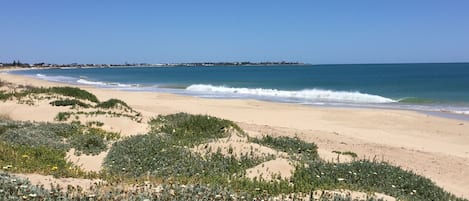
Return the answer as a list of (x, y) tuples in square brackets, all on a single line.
[(434, 147), (442, 113)]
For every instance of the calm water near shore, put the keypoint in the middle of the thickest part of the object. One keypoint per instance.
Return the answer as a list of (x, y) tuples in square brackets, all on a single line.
[(422, 87)]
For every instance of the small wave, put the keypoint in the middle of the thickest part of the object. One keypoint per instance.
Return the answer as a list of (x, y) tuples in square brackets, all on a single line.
[(55, 78), (106, 84), (84, 81), (463, 112), (415, 100), (310, 95)]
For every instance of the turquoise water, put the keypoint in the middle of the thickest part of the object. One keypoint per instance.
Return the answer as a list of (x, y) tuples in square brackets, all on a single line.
[(428, 87)]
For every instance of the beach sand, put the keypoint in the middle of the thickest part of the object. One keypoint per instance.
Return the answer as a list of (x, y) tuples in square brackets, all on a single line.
[(435, 147)]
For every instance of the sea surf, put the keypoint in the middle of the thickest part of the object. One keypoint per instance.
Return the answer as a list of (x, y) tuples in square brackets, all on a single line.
[(422, 87)]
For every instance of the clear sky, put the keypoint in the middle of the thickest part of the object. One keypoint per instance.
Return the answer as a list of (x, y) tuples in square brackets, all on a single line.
[(318, 32)]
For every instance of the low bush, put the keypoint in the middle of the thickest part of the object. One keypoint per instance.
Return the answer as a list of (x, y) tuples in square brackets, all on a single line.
[(39, 134), (293, 146), (14, 188), (63, 116), (192, 129), (43, 160), (92, 141), (65, 91), (57, 136), (4, 96), (94, 123), (70, 102), (112, 103), (74, 92), (368, 176), (160, 156)]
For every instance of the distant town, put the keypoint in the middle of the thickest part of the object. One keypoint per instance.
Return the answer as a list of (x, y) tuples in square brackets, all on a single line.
[(19, 64)]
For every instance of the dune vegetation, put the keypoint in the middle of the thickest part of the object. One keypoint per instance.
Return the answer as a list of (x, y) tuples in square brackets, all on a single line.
[(162, 164)]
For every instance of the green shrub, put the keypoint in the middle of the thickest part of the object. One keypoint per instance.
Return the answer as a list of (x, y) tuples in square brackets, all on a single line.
[(70, 102), (4, 96), (43, 160), (65, 91), (160, 156), (293, 146), (74, 92), (88, 144), (92, 141), (112, 103), (40, 134), (192, 129), (94, 123), (368, 176), (6, 124), (14, 188), (62, 116), (57, 136)]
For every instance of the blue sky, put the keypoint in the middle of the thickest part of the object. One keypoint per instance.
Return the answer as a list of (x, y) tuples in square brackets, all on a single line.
[(318, 32)]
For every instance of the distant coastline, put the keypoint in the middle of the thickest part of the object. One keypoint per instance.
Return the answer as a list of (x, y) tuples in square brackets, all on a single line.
[(18, 64)]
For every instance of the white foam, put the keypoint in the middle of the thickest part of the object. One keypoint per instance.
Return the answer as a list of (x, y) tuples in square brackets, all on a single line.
[(83, 81), (460, 112), (310, 95), (106, 84), (55, 78)]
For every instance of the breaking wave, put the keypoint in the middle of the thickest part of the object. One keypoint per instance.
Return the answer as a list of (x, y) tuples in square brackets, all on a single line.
[(309, 95), (105, 84)]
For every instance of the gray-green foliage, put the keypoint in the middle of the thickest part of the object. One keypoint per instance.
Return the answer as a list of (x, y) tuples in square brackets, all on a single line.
[(165, 154), (192, 129), (161, 156), (70, 102), (90, 143), (112, 103), (293, 146), (368, 176), (14, 188), (38, 134), (73, 92), (58, 136)]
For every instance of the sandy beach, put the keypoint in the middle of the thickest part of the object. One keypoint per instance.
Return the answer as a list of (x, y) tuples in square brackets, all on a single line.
[(434, 147)]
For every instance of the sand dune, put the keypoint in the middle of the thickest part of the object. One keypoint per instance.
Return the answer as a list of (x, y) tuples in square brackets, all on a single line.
[(431, 146)]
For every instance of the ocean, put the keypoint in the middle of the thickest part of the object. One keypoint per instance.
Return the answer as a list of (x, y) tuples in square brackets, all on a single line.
[(435, 87)]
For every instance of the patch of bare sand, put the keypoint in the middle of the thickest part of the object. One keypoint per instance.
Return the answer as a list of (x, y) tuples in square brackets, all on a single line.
[(47, 181), (87, 162), (332, 157), (271, 170), (123, 125), (237, 145)]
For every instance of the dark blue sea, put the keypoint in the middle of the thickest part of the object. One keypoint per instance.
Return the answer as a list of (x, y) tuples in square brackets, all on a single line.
[(424, 87)]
